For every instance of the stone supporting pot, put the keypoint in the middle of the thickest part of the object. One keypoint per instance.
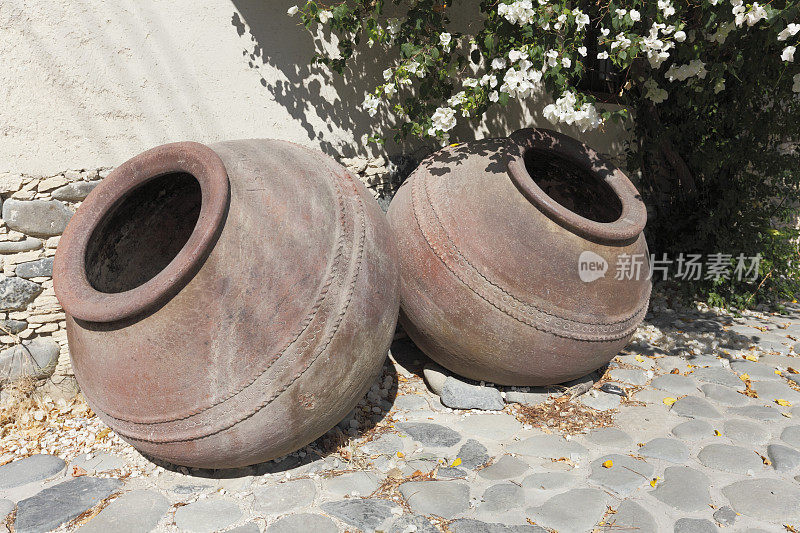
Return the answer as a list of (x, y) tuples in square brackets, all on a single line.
[(227, 304), (490, 238)]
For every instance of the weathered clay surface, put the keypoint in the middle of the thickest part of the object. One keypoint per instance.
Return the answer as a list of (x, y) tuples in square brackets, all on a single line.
[(198, 347), (490, 261)]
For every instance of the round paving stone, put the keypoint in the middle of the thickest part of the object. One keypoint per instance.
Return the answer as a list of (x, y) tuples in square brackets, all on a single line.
[(692, 430), (784, 458), (302, 523), (433, 435), (472, 454), (548, 447), (625, 375), (720, 376), (6, 506), (683, 489), (205, 516), (458, 394), (756, 371), (408, 523), (285, 497), (610, 437), (630, 516), (725, 516), (694, 407), (410, 402), (250, 527), (765, 499), (670, 450), (745, 431), (366, 515), (757, 412), (625, 474), (724, 395), (447, 499), (791, 435), (775, 390), (694, 525), (574, 510), (506, 467), (548, 480), (34, 468), (675, 384), (470, 525), (138, 510), (601, 401), (496, 427), (502, 497), (727, 458), (352, 484)]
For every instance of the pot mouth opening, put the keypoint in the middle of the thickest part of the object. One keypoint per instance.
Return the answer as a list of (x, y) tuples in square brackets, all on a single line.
[(143, 233), (575, 187), (572, 186)]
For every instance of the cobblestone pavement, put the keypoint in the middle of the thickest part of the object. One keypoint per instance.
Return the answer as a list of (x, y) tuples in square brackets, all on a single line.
[(695, 428)]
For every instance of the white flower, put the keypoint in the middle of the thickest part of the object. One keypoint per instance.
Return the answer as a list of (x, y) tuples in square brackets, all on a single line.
[(788, 53), (292, 11), (582, 51), (695, 67), (635, 15), (516, 55), (757, 13), (714, 2), (796, 83), (520, 12), (445, 39), (655, 93), (470, 82), (581, 19), (602, 55), (621, 13), (680, 36), (498, 63), (324, 16), (604, 32), (444, 120), (564, 110), (489, 79), (719, 86), (387, 74), (371, 104), (393, 26), (390, 89), (457, 99), (666, 8), (790, 30), (621, 42), (552, 57), (494, 96), (566, 62)]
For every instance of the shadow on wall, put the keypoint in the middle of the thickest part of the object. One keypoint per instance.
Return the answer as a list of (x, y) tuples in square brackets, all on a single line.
[(262, 25)]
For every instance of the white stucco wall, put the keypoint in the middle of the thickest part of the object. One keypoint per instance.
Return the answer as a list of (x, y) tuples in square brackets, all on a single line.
[(87, 84)]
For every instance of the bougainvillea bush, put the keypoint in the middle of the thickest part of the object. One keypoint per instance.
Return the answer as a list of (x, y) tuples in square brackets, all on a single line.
[(711, 88)]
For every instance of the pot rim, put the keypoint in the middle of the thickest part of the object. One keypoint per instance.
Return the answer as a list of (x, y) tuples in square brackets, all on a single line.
[(70, 282), (633, 216)]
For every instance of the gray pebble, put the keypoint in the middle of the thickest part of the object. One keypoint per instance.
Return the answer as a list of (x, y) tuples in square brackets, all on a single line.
[(472, 454), (34, 468), (683, 489), (574, 510), (351, 484), (625, 375), (206, 516), (665, 449), (447, 499), (727, 458), (506, 467), (303, 523), (745, 431), (548, 480), (784, 458), (720, 376), (694, 407), (624, 476), (675, 384), (503, 497), (367, 515), (724, 395), (756, 371), (765, 499), (470, 525), (791, 435), (725, 516), (430, 434), (631, 516), (692, 430), (757, 412), (610, 437), (695, 525), (285, 497), (548, 447), (457, 394), (138, 510)]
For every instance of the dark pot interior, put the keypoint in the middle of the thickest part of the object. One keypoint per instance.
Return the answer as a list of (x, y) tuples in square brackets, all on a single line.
[(143, 233)]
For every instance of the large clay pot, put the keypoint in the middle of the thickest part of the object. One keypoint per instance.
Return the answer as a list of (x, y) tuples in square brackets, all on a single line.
[(227, 304), (490, 235)]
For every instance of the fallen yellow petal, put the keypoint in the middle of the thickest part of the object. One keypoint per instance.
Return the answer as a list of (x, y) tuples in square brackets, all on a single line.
[(456, 462), (639, 358), (669, 400), (608, 463), (778, 372), (745, 377), (400, 454), (751, 357), (717, 433), (654, 481), (782, 402)]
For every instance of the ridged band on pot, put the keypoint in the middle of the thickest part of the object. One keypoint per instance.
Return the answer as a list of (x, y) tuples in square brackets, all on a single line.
[(227, 304), (489, 259)]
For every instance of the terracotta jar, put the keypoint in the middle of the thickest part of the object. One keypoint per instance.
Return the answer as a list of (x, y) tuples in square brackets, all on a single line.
[(502, 244), (227, 304)]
